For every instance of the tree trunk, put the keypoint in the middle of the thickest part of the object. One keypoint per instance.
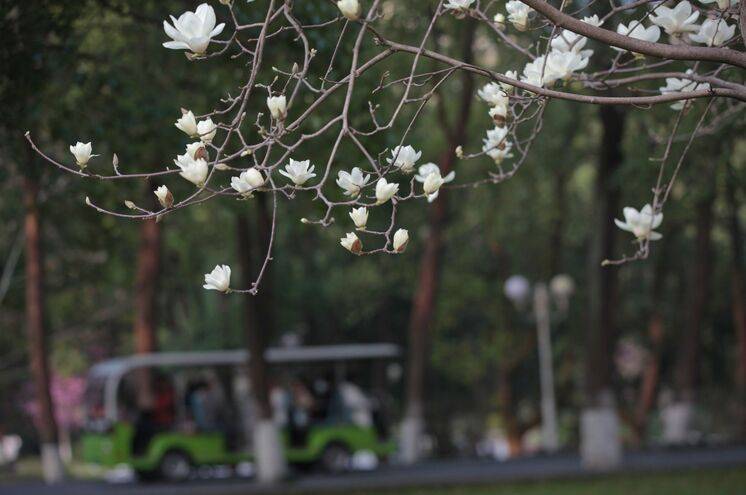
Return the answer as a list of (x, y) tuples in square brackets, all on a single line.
[(656, 331), (259, 323), (677, 417), (51, 463), (738, 305), (146, 290), (600, 443), (427, 285)]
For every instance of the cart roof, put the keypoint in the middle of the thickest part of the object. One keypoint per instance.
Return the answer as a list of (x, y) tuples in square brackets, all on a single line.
[(275, 355)]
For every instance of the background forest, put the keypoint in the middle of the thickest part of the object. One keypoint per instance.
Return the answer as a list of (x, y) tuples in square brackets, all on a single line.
[(653, 331)]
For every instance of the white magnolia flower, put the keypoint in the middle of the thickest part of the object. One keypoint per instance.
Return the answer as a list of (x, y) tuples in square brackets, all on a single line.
[(713, 32), (512, 75), (499, 114), (404, 158), (458, 4), (493, 94), (518, 14), (188, 124), (193, 30), (298, 172), (676, 85), (359, 217), (165, 198), (352, 182), (561, 65), (401, 238), (641, 223), (195, 171), (677, 20), (206, 130), (636, 30), (385, 190), (352, 243), (193, 149), (431, 172), (218, 279), (499, 20), (496, 145), (249, 180), (722, 4), (593, 20), (278, 107), (536, 73), (350, 9), (82, 153)]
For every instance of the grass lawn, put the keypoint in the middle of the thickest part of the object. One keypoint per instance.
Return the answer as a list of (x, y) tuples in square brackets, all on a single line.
[(705, 482)]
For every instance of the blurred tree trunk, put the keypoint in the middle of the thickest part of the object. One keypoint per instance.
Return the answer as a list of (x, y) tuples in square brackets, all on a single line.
[(35, 322), (656, 332), (600, 444), (738, 306), (427, 285), (687, 366), (146, 291), (259, 323)]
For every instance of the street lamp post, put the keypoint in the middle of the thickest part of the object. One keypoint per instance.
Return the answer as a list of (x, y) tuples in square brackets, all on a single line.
[(518, 290)]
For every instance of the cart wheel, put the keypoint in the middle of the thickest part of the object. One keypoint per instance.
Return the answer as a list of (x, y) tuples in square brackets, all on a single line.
[(175, 466), (336, 458)]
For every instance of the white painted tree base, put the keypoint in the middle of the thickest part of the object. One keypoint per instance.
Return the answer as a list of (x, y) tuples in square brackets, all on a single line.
[(271, 465), (600, 444), (677, 419), (410, 446), (52, 468)]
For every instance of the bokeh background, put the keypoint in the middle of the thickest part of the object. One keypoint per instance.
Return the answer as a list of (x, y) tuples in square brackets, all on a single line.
[(656, 332)]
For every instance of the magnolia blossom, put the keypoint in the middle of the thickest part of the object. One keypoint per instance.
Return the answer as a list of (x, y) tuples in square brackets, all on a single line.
[(568, 41), (493, 94), (499, 20), (352, 182), (193, 30), (722, 4), (360, 217), (193, 149), (206, 130), (350, 9), (401, 238), (641, 223), (352, 243), (561, 65), (188, 124), (298, 172), (677, 20), (499, 114), (713, 32), (636, 30), (518, 14), (496, 145), (218, 279), (82, 153), (193, 170), (676, 85), (429, 175), (248, 181), (458, 4), (511, 74), (404, 158), (385, 190), (535, 73), (165, 198), (277, 107)]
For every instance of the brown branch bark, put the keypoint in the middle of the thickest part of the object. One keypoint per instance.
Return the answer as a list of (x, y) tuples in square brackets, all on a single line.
[(660, 50)]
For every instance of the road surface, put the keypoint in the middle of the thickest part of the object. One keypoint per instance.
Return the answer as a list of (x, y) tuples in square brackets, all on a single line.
[(431, 473)]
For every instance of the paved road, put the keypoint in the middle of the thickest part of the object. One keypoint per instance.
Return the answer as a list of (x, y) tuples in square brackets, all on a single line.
[(426, 474)]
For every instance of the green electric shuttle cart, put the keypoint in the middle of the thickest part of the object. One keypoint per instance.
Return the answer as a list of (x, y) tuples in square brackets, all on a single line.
[(187, 384)]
